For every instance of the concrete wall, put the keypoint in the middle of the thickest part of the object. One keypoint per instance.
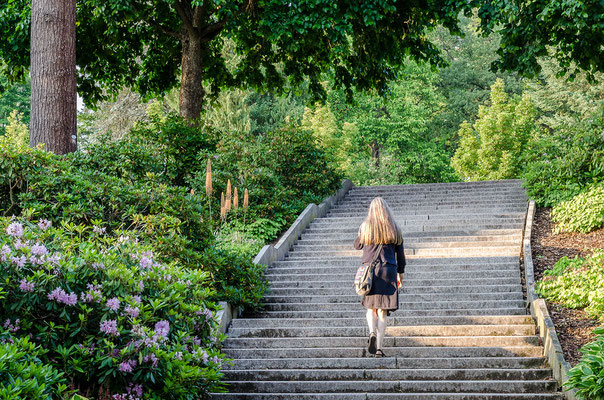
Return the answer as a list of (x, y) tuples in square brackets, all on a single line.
[(269, 253), (547, 331)]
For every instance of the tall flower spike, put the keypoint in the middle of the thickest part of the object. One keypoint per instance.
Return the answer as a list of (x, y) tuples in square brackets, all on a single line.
[(228, 196), (209, 188), (236, 199), (246, 200), (222, 206)]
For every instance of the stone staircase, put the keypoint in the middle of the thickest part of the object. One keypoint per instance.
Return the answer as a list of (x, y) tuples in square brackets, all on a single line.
[(461, 332)]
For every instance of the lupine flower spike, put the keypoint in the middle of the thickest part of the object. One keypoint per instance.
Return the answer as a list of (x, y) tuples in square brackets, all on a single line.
[(209, 189), (246, 200), (222, 206), (228, 197), (236, 199)]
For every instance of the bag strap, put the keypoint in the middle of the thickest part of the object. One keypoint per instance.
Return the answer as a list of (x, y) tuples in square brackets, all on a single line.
[(376, 255)]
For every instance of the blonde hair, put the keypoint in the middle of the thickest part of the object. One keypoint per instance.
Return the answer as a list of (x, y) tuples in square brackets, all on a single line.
[(380, 227)]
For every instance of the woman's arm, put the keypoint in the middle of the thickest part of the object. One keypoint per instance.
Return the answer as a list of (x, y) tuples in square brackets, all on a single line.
[(400, 258)]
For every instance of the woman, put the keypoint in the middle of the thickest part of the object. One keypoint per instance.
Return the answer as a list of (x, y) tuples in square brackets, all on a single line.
[(380, 228)]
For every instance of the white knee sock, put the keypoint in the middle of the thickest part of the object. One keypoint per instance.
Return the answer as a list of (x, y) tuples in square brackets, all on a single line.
[(372, 320), (381, 328)]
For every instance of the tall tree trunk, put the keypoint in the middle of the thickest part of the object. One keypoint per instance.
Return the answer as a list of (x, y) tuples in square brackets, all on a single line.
[(375, 152), (53, 75), (191, 88)]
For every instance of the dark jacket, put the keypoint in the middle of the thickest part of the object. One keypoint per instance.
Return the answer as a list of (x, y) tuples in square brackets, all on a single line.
[(387, 255)]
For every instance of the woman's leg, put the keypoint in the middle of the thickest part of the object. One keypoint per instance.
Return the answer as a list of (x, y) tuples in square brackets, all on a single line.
[(381, 327), (372, 320)]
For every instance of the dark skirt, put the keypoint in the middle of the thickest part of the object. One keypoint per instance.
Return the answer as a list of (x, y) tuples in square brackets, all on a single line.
[(384, 291)]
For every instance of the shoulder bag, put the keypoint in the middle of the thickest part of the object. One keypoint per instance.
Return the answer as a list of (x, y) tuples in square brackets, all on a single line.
[(364, 276)]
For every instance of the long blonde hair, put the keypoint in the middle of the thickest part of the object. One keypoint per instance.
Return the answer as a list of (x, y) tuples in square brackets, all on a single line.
[(380, 227)]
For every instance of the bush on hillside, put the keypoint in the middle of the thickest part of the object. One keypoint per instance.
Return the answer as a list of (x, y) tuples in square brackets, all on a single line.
[(566, 162), (23, 374), (66, 190), (587, 377), (113, 319), (583, 213), (283, 171), (576, 283)]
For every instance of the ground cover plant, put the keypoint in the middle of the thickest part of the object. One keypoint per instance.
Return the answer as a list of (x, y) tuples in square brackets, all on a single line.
[(588, 376), (576, 283)]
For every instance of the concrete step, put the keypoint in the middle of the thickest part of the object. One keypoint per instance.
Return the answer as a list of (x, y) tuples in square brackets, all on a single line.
[(443, 252), (390, 363), (413, 265), (386, 374), (324, 296), (411, 245), (421, 352), (388, 396), (354, 310), (359, 321), (418, 240), (344, 341), (350, 234), (506, 386), (433, 305), (406, 289), (430, 229), (427, 282), (328, 332), (345, 273)]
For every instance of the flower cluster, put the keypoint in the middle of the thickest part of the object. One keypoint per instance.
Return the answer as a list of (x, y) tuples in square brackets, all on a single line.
[(26, 286), (60, 296), (109, 327)]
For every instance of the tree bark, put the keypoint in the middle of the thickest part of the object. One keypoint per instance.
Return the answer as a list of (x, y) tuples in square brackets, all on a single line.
[(375, 152), (53, 75), (191, 87)]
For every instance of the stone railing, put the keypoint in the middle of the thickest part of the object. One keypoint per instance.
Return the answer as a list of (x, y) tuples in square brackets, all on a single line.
[(269, 253), (547, 331)]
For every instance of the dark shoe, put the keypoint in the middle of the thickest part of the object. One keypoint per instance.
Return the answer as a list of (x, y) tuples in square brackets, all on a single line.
[(372, 340), (380, 353)]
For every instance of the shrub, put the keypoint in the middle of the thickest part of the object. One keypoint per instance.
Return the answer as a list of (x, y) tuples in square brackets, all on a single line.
[(71, 190), (583, 213), (492, 148), (114, 320), (576, 283), (566, 162), (284, 171), (23, 374), (588, 375)]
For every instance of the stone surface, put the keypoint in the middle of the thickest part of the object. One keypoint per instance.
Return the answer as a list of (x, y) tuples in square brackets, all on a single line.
[(462, 329)]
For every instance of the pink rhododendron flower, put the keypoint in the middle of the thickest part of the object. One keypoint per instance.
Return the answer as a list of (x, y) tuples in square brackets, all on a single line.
[(15, 230)]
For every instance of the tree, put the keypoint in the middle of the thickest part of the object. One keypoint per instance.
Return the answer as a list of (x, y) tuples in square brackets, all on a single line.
[(492, 148), (53, 75), (16, 97), (570, 31), (149, 45)]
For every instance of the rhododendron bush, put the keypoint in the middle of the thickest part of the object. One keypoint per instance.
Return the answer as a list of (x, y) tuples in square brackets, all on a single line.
[(116, 322)]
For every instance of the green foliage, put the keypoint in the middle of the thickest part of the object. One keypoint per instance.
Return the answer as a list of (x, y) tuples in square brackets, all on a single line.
[(583, 213), (492, 148), (126, 185), (531, 30), (587, 377), (387, 139), (566, 162), (283, 171), (576, 283), (16, 132), (16, 97), (112, 317), (23, 374), (465, 83)]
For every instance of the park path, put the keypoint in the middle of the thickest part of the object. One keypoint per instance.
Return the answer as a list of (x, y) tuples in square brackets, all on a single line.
[(462, 330)]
